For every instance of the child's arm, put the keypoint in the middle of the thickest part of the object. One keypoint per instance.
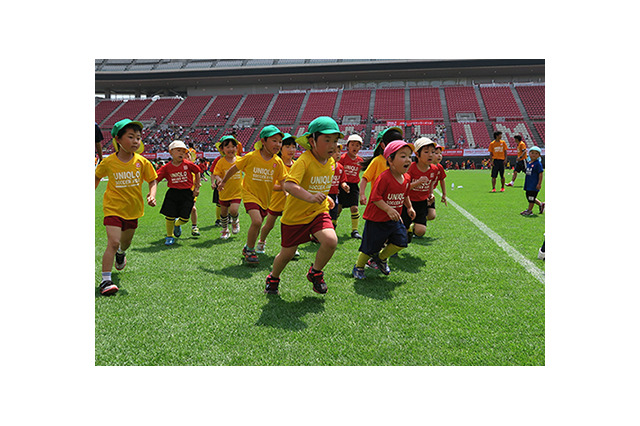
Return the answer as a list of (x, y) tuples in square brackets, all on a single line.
[(423, 179), (197, 183), (391, 212), (443, 188), (363, 188), (301, 193), (151, 198), (232, 171), (539, 185)]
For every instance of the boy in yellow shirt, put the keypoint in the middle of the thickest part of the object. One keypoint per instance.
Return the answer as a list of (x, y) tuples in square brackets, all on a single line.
[(231, 197), (262, 170), (122, 203), (306, 211)]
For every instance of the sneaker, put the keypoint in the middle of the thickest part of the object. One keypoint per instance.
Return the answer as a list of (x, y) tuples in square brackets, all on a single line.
[(108, 288), (501, 189), (527, 213), (541, 208), (358, 273), (250, 256), (372, 264), (260, 247), (493, 190), (317, 278), (225, 234), (272, 285), (540, 254), (381, 265), (296, 255), (195, 231), (121, 261), (510, 184), (355, 234), (217, 223), (177, 231), (235, 227), (168, 241)]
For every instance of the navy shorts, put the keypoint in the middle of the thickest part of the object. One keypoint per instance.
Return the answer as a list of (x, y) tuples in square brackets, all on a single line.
[(498, 167), (376, 234), (520, 166), (177, 203), (352, 198), (531, 196)]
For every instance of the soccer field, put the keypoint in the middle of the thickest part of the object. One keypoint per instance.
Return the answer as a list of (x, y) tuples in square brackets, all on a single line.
[(470, 292)]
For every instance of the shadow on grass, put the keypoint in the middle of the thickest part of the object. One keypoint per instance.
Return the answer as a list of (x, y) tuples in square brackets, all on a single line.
[(241, 269), (279, 313), (407, 262), (375, 286)]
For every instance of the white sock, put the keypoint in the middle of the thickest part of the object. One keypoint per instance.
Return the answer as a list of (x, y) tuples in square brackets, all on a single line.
[(106, 276)]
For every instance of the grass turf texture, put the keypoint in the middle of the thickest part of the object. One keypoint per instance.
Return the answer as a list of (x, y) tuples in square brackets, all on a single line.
[(453, 297)]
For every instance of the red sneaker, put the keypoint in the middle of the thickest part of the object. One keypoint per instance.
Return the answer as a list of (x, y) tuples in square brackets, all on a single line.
[(317, 278)]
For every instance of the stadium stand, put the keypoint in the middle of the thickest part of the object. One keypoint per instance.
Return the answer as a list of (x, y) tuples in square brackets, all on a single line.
[(286, 108), (462, 99), (511, 128), (425, 103), (221, 106), (254, 106), (319, 103), (389, 104), (475, 134), (159, 110), (189, 110), (130, 109), (355, 102), (533, 99), (540, 128), (104, 108), (499, 102)]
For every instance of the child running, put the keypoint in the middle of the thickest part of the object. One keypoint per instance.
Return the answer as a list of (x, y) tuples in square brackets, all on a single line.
[(229, 199), (122, 203), (533, 181), (423, 175), (377, 164), (278, 198), (437, 159), (307, 206), (182, 175), (262, 170), (352, 163), (382, 215)]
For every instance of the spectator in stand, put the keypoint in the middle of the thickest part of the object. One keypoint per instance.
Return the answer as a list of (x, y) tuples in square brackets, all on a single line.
[(498, 152)]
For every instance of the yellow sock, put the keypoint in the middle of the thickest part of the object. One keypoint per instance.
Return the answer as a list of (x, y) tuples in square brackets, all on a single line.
[(412, 226), (362, 260), (169, 222), (180, 221), (389, 251), (218, 212), (354, 221), (335, 222)]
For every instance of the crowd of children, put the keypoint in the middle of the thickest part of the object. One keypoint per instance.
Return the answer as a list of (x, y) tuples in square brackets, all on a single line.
[(308, 194)]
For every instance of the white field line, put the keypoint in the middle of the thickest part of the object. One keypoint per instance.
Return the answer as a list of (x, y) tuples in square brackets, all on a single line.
[(513, 253)]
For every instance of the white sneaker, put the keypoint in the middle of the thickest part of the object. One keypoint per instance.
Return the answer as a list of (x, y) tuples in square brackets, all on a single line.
[(235, 227), (260, 247), (540, 254), (225, 234)]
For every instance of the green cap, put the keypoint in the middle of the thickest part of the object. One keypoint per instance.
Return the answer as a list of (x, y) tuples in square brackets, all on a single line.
[(288, 136), (118, 126), (324, 125), (267, 132), (381, 134), (224, 138)]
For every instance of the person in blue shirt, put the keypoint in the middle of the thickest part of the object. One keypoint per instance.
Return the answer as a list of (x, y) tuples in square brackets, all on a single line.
[(533, 181)]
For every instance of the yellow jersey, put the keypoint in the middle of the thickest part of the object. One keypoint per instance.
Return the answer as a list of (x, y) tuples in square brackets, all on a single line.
[(259, 177), (233, 187)]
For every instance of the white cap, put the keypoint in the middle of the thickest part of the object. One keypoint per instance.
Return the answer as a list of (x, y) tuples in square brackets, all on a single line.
[(354, 137), (177, 144)]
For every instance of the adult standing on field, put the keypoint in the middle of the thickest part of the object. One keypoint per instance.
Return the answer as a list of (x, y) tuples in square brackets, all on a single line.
[(520, 160), (498, 151)]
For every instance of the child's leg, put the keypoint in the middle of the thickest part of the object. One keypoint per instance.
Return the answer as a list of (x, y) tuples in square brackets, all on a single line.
[(254, 229), (389, 251), (170, 223), (126, 237), (282, 259), (362, 260), (431, 214), (233, 211), (419, 230), (224, 217), (355, 217), (114, 234), (531, 204), (267, 227), (328, 244), (194, 215)]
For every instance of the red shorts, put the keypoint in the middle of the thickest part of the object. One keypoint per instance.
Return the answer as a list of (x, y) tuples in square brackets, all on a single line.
[(227, 203), (121, 223), (272, 213), (294, 235), (255, 206)]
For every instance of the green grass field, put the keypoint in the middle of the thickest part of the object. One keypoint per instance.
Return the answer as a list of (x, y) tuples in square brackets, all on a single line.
[(454, 297)]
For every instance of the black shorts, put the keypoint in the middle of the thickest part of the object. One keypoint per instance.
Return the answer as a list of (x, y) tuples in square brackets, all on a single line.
[(352, 198), (334, 211), (421, 213), (376, 234), (177, 203), (498, 167), (520, 166), (531, 196)]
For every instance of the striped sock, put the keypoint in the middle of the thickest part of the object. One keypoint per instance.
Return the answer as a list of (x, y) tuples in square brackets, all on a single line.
[(354, 221), (224, 221)]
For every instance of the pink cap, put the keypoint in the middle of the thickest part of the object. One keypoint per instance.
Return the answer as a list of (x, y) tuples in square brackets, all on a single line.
[(394, 146)]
